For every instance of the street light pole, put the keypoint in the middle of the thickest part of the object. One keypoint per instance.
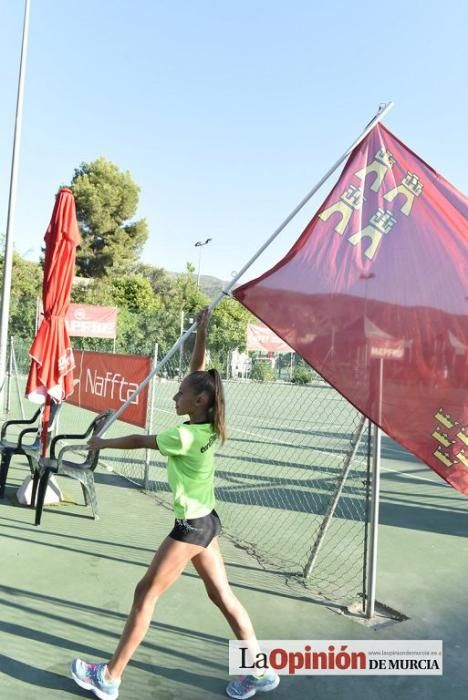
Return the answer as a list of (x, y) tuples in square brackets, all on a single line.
[(200, 244), (181, 348), (9, 234)]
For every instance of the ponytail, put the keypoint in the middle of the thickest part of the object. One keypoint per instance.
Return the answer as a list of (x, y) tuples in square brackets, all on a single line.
[(210, 382), (219, 411)]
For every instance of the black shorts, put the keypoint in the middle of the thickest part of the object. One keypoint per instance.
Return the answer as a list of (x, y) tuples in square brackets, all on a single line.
[(197, 530)]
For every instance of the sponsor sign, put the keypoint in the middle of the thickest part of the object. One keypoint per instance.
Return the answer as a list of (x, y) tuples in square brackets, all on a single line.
[(387, 349), (105, 380), (89, 321)]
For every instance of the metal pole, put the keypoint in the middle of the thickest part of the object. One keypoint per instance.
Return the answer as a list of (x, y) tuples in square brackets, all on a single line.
[(374, 522), (200, 244), (332, 506), (36, 320), (199, 266), (150, 416), (38, 311), (10, 371), (383, 109), (16, 374), (10, 227), (181, 348), (365, 544)]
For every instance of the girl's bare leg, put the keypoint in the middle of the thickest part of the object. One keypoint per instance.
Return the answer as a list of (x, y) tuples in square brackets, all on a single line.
[(167, 565), (210, 567)]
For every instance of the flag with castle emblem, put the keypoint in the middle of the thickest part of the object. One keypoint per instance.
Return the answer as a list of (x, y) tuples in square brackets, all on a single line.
[(374, 296)]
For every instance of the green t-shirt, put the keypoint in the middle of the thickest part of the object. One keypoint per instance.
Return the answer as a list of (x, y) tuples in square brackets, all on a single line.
[(190, 449)]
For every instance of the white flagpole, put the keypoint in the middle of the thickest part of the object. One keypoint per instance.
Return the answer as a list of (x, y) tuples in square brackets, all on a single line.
[(149, 419), (383, 110), (9, 235)]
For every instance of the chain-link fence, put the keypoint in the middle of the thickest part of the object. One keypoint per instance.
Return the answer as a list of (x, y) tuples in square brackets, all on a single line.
[(290, 449), (291, 481)]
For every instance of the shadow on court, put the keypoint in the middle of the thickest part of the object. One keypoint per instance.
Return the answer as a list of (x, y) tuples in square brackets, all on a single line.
[(67, 585), (431, 508)]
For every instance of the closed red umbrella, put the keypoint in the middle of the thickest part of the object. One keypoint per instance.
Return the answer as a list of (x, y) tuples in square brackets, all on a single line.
[(51, 373)]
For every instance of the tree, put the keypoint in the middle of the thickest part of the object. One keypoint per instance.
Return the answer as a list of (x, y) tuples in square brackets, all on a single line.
[(133, 293), (88, 291), (263, 371), (161, 282), (188, 297), (106, 200), (228, 331), (136, 304), (26, 286), (228, 327), (302, 375)]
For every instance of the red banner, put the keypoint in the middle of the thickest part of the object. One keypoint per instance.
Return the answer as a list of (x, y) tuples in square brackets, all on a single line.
[(89, 321), (262, 338), (374, 296), (105, 380)]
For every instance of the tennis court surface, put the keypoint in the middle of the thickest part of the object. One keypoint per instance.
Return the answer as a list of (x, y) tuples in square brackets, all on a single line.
[(66, 588)]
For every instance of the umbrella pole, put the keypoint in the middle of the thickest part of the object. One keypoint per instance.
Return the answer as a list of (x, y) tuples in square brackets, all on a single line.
[(45, 426)]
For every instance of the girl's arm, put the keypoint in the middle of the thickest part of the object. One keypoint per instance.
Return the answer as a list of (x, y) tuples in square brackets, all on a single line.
[(127, 442), (197, 362)]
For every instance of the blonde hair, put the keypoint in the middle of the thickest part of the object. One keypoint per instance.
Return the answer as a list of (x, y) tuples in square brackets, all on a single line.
[(211, 383)]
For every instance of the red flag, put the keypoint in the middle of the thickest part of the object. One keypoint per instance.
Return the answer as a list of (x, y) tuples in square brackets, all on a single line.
[(374, 296)]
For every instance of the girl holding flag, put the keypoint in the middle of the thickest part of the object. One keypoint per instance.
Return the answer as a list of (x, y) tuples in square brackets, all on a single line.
[(190, 449)]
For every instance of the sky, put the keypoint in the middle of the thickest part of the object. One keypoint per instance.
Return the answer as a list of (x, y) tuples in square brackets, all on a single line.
[(225, 113)]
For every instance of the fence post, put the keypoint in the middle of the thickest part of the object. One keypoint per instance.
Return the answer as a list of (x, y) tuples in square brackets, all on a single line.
[(149, 418), (181, 347), (16, 373), (374, 523), (10, 368), (334, 501)]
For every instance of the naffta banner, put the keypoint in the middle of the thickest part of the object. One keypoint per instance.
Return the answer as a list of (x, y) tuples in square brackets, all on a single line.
[(105, 380), (374, 296)]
